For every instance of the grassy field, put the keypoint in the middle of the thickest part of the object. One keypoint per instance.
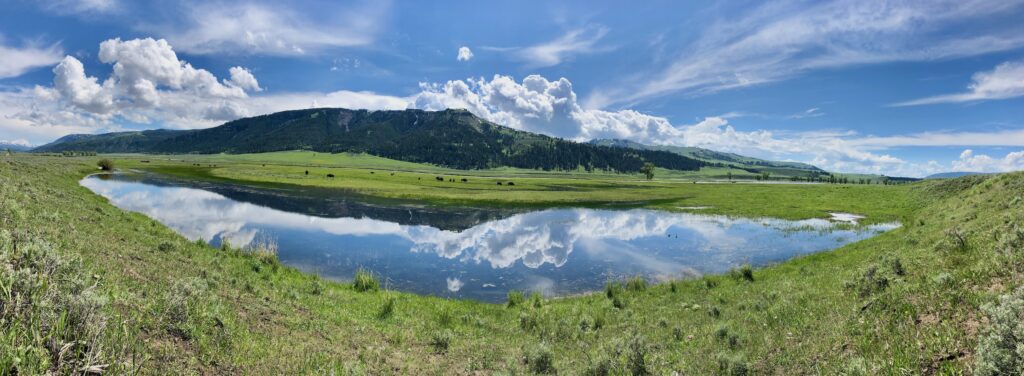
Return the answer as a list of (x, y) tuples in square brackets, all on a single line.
[(87, 287), (416, 182)]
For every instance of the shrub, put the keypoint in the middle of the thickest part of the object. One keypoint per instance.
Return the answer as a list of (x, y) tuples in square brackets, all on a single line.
[(722, 332), (733, 341), (744, 273), (587, 323), (540, 359), (165, 247), (677, 333), (943, 279), (618, 302), (317, 287), (710, 283), (528, 321), (105, 164), (265, 251), (57, 320), (365, 281), (870, 282), (636, 284), (637, 356), (955, 240), (601, 366), (897, 267), (536, 300), (612, 289), (673, 286), (999, 350), (182, 305), (388, 308), (516, 298), (714, 312), (442, 340), (732, 365)]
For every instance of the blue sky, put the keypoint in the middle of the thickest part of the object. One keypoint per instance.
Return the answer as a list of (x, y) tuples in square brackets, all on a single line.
[(900, 88)]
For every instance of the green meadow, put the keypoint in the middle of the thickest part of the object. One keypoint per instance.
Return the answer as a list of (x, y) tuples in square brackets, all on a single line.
[(670, 190), (88, 288)]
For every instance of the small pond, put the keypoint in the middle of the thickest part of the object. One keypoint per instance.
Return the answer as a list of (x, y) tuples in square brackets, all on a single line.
[(470, 252)]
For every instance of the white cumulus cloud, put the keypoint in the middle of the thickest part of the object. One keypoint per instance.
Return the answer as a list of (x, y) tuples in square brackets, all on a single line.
[(243, 78), (969, 161), (464, 54)]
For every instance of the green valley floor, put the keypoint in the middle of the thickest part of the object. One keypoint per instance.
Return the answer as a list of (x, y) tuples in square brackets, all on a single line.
[(87, 287)]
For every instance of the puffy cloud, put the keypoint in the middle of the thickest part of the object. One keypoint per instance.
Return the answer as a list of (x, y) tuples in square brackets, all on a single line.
[(539, 105), (969, 161), (242, 78), (149, 83), (464, 54), (550, 107), (18, 61), (142, 64), (1006, 80), (783, 39), (82, 91), (210, 28)]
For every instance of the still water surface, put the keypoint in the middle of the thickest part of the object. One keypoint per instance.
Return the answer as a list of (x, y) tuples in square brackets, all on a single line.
[(470, 252)]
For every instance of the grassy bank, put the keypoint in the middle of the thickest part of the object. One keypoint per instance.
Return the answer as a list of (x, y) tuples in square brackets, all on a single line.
[(87, 286), (671, 190)]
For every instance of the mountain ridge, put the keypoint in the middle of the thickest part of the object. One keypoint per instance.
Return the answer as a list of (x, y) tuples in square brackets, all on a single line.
[(451, 138), (723, 159)]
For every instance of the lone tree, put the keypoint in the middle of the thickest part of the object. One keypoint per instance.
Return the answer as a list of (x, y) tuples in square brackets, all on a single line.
[(106, 164), (648, 170)]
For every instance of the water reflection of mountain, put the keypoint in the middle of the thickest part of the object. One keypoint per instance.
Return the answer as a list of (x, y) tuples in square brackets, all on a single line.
[(334, 203)]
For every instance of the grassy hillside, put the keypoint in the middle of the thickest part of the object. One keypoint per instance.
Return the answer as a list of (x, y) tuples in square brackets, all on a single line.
[(723, 159), (87, 286), (452, 138)]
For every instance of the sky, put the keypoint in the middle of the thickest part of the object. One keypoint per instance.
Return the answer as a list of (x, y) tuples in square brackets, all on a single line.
[(902, 88)]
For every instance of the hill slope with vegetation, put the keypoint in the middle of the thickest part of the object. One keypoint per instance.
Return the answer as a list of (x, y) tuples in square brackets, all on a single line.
[(450, 138), (88, 287), (723, 159)]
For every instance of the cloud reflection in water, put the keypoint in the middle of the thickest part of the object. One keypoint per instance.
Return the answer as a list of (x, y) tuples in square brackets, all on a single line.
[(524, 251)]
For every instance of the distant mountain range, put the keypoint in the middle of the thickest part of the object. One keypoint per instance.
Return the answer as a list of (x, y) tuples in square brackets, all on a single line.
[(450, 138), (717, 158), (13, 147), (954, 174)]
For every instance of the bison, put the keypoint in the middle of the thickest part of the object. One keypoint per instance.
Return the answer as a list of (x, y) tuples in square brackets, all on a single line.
[(330, 175), (439, 178)]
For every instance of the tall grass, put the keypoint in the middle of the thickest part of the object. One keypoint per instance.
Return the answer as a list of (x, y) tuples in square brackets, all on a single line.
[(365, 281)]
